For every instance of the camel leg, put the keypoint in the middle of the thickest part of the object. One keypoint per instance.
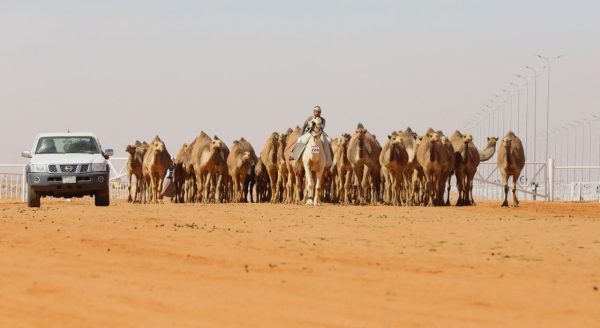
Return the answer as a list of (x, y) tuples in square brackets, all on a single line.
[(505, 183), (218, 186), (309, 186), (514, 192), (279, 185), (273, 182), (129, 199), (317, 194), (237, 190), (207, 187)]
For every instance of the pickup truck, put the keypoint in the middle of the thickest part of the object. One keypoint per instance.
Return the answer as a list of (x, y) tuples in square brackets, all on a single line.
[(67, 165)]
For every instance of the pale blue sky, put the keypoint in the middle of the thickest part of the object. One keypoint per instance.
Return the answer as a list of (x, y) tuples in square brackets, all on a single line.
[(128, 70)]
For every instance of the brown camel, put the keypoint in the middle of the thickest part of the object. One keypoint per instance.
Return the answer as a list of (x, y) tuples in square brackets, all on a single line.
[(179, 173), (155, 165), (413, 169), (295, 184), (241, 160), (431, 155), (467, 159), (282, 168), (511, 160), (268, 156), (448, 169), (393, 160), (134, 168), (263, 194), (363, 154), (219, 177), (202, 160), (343, 169)]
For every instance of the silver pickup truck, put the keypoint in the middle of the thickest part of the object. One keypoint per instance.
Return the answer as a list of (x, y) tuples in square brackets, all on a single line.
[(67, 165)]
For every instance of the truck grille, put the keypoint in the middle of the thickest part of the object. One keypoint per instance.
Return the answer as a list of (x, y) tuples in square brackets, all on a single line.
[(69, 168)]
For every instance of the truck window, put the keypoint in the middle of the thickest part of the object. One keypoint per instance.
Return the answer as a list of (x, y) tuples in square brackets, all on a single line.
[(67, 145)]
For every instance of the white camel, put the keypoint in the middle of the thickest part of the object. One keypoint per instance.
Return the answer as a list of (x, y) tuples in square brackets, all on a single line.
[(314, 160)]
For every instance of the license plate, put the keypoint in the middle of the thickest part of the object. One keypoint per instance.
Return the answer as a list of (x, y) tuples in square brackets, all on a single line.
[(315, 149), (69, 180)]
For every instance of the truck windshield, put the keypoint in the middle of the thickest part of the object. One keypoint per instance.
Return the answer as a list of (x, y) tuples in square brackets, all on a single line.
[(67, 145)]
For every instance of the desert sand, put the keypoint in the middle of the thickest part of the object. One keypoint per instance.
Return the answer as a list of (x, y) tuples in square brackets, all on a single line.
[(258, 265)]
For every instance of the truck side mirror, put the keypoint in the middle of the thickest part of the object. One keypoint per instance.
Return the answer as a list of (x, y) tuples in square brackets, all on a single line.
[(26, 154), (108, 152)]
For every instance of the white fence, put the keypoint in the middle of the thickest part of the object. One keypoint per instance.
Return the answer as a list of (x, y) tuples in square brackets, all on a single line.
[(537, 182)]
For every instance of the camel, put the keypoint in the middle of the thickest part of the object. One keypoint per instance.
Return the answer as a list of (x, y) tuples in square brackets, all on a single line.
[(490, 149), (467, 159), (511, 160), (202, 160), (179, 174), (363, 154), (393, 160), (156, 162), (268, 157), (240, 161), (431, 155), (314, 160), (134, 168), (448, 162), (282, 168), (295, 183), (262, 182), (219, 177), (343, 169), (413, 168)]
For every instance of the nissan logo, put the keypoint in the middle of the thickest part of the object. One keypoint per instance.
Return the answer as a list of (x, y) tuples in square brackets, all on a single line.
[(69, 168)]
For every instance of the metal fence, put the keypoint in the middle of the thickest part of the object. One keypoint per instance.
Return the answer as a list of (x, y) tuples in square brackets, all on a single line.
[(538, 181)]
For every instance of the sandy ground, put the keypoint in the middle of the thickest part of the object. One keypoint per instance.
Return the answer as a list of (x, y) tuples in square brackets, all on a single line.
[(71, 264)]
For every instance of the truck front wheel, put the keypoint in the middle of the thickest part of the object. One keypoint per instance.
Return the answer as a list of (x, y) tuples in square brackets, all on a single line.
[(33, 198), (102, 198)]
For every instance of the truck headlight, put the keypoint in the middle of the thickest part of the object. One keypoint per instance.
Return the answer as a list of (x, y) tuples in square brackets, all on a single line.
[(99, 167), (37, 168)]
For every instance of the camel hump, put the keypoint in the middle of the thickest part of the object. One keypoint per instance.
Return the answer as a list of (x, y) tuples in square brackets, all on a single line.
[(511, 134), (360, 126)]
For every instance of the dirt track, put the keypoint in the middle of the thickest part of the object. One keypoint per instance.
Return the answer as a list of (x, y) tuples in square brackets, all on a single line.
[(71, 264)]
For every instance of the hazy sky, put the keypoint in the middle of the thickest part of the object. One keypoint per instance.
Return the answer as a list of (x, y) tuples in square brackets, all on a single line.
[(128, 70)]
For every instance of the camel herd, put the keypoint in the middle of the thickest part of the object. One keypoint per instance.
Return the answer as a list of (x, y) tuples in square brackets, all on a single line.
[(409, 169)]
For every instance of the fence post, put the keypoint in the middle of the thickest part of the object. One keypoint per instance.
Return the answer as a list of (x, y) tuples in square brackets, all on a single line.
[(550, 171), (24, 184)]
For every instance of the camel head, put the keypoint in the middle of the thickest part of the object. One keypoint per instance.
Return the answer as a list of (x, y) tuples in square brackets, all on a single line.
[(506, 142), (158, 145), (274, 138), (130, 149), (248, 158), (360, 133), (282, 139), (345, 139), (216, 145), (467, 138), (433, 137), (491, 141)]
